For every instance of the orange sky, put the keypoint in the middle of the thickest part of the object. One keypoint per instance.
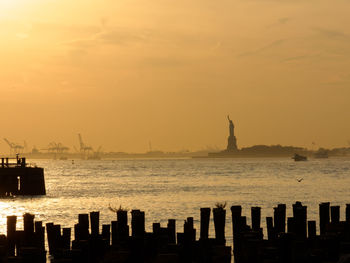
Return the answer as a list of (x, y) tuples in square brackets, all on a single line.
[(124, 73)]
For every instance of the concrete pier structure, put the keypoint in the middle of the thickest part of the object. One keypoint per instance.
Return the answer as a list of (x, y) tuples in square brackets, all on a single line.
[(18, 178)]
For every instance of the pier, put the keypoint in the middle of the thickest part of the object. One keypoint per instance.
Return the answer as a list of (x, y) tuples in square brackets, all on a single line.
[(289, 239), (19, 178)]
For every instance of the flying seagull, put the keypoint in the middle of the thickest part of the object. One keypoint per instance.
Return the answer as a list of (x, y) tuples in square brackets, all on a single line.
[(299, 180)]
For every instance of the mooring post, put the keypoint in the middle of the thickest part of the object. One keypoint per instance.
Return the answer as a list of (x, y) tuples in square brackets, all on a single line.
[(83, 220), (236, 212), (300, 217), (189, 235), (324, 216), (270, 228), (219, 225), (77, 232), (106, 233), (122, 228), (335, 214), (347, 213), (28, 222), (50, 237), (137, 223), (290, 225), (57, 238), (311, 226), (172, 231), (39, 235), (11, 234), (95, 223), (114, 232), (205, 219), (280, 218), (66, 238), (256, 218)]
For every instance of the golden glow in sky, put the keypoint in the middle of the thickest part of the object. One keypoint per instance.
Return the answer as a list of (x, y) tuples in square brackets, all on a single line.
[(124, 73)]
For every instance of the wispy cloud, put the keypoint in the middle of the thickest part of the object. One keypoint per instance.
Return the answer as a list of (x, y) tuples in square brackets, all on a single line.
[(330, 33), (110, 37), (281, 21), (262, 49)]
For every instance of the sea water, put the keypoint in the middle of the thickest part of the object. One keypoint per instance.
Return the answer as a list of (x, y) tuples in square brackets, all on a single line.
[(178, 188)]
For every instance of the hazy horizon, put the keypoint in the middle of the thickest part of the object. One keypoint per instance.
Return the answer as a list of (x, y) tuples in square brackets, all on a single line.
[(124, 73)]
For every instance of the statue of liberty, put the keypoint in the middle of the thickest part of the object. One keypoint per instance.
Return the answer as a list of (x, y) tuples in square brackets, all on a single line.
[(232, 141)]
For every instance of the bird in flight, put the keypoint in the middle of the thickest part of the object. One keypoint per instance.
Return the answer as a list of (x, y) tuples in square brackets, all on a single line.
[(299, 180)]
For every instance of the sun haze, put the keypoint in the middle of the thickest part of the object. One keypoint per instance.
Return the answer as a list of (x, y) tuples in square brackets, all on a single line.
[(124, 73)]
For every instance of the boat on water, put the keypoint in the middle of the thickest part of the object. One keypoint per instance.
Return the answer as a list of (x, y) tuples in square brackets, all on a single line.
[(20, 178), (298, 157)]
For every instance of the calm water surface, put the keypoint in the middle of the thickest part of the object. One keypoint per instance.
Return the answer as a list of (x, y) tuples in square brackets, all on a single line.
[(178, 188)]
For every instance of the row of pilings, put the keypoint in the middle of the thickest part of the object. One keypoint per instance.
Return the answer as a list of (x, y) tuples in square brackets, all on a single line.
[(289, 239), (116, 242)]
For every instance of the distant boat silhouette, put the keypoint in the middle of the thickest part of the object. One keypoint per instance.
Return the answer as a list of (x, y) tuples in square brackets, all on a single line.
[(299, 158)]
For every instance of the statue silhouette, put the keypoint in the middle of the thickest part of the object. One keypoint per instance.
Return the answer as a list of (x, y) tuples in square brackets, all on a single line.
[(231, 141)]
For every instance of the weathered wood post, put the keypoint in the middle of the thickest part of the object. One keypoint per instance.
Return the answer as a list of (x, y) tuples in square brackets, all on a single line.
[(66, 238), (28, 222), (324, 216), (106, 233), (137, 223), (280, 218), (256, 218), (11, 234), (335, 214), (205, 219), (347, 213), (219, 225), (95, 223), (50, 237), (122, 228), (290, 225), (172, 231), (236, 212), (311, 226), (83, 221), (40, 235), (300, 220), (270, 228), (114, 228)]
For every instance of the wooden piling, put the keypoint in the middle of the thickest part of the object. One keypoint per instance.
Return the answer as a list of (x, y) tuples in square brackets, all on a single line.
[(280, 218), (256, 218), (172, 231), (347, 213), (66, 238), (311, 226), (335, 214), (324, 216), (95, 223), (270, 229), (137, 223), (219, 225), (106, 233), (11, 234), (28, 223), (204, 225), (83, 220)]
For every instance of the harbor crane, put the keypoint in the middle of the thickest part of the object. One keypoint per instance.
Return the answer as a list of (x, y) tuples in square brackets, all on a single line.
[(56, 147), (83, 147), (14, 147)]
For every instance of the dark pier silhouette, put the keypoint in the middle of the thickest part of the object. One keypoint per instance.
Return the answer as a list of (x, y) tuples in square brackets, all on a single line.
[(18, 178), (289, 239)]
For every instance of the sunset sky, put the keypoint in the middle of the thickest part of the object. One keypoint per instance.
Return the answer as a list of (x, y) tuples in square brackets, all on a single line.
[(126, 72)]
